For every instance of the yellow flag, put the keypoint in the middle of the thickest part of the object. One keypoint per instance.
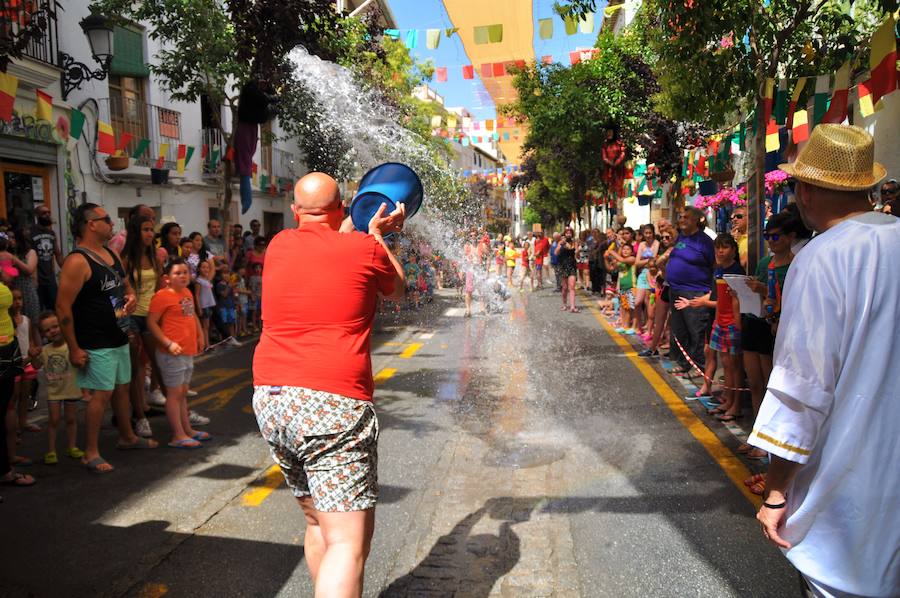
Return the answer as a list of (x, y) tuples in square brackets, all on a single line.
[(451, 122), (435, 121)]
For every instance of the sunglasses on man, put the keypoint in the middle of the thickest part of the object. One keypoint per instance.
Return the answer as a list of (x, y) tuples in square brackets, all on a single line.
[(771, 236), (105, 219), (737, 216)]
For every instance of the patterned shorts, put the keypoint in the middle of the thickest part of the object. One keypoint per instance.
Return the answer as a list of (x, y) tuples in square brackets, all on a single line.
[(725, 340), (626, 299), (325, 444)]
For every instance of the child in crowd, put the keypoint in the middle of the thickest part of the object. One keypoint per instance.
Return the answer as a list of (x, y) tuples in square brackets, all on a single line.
[(239, 283), (726, 334), (412, 273), (63, 393), (7, 264), (526, 266), (255, 282), (177, 329), (226, 303), (205, 297), (510, 253), (626, 290)]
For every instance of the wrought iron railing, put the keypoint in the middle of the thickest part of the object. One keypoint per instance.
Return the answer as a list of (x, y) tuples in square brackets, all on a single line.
[(16, 15), (144, 121)]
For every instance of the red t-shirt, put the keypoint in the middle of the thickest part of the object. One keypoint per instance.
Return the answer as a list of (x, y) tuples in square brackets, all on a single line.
[(541, 248), (318, 302), (178, 322)]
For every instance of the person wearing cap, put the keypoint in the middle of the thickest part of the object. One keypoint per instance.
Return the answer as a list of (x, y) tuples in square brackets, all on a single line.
[(312, 374), (829, 416)]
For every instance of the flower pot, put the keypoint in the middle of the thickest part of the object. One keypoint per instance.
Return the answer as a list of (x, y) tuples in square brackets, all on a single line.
[(117, 162), (158, 176), (724, 176)]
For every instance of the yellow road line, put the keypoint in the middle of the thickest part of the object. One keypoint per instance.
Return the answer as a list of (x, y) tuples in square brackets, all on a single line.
[(736, 471), (410, 350), (272, 478), (153, 590), (384, 375)]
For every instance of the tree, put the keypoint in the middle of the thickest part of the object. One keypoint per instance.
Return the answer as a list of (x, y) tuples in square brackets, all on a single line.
[(713, 58), (212, 48), (570, 110)]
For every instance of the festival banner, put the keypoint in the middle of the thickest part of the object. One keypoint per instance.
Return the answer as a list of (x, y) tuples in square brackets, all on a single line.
[(412, 39), (864, 94), (124, 140), (180, 158), (498, 69), (76, 122), (142, 146), (545, 28), (106, 138), (44, 106), (432, 38), (468, 72), (441, 73), (190, 152), (587, 23), (795, 98), (781, 102), (768, 98), (882, 61), (8, 87), (837, 109), (800, 130), (820, 99)]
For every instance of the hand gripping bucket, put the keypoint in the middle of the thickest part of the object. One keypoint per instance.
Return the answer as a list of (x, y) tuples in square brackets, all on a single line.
[(390, 183)]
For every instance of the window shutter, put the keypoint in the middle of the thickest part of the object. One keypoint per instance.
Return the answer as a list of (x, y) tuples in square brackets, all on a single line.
[(128, 53)]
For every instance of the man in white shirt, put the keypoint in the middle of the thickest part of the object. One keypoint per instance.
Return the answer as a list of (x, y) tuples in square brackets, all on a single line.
[(830, 416)]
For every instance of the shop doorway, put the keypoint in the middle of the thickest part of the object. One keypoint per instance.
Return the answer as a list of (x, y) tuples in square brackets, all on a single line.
[(22, 188), (273, 223)]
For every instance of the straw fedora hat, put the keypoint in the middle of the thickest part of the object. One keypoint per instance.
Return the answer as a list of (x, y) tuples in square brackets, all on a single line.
[(837, 157)]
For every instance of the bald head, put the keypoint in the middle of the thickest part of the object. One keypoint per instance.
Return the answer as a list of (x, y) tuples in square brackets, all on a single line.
[(316, 193)]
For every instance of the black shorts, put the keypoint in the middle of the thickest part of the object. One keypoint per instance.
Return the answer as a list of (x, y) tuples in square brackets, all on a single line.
[(756, 335), (140, 322)]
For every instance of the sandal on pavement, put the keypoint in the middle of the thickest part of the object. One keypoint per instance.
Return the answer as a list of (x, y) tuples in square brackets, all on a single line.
[(715, 411), (574, 310), (51, 458), (140, 443), (757, 454), (187, 443), (727, 418), (757, 477), (202, 436), (21, 461), (96, 465), (75, 453), (744, 448), (759, 488), (14, 478)]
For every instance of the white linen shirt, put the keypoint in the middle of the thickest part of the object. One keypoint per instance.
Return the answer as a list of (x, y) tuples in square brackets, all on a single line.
[(833, 404)]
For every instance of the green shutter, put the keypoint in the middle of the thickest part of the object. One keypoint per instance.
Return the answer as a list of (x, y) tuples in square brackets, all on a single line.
[(128, 53)]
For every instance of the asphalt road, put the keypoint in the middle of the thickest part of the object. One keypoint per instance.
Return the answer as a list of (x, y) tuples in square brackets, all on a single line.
[(521, 454)]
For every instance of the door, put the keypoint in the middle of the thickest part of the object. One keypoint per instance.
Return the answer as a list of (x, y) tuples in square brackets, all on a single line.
[(22, 187)]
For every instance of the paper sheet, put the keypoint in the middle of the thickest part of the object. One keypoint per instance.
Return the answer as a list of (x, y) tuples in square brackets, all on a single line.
[(751, 303)]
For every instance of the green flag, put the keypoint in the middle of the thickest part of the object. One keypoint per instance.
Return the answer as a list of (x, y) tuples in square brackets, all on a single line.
[(142, 146), (545, 28), (214, 158), (781, 102), (481, 35), (76, 122), (571, 25), (264, 182), (187, 157), (495, 33)]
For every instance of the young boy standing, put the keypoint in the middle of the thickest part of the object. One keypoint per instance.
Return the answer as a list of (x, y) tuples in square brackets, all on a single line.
[(175, 326), (63, 393)]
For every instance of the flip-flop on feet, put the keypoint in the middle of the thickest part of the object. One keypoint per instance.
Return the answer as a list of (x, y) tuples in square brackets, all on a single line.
[(727, 418), (98, 465), (744, 448), (75, 453), (14, 478), (202, 436), (51, 458), (755, 478), (140, 443), (187, 443)]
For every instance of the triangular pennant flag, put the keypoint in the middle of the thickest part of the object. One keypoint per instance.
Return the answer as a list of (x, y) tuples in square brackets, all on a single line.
[(864, 94), (800, 131), (768, 98), (124, 140), (190, 152), (214, 158), (161, 156), (76, 123), (142, 146), (545, 28), (837, 109), (44, 107), (204, 151), (468, 72), (882, 61), (571, 25), (450, 31), (412, 38), (587, 23), (820, 100), (441, 73), (495, 33), (229, 154), (8, 87), (180, 162), (781, 102), (392, 33), (432, 38), (795, 99), (106, 138), (773, 144)]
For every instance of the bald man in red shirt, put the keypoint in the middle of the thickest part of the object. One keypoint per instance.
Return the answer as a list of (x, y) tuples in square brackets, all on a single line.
[(312, 374)]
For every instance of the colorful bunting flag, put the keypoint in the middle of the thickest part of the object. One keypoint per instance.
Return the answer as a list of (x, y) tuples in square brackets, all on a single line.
[(795, 99), (820, 100), (161, 157), (142, 146), (204, 151), (768, 98), (571, 25), (781, 102), (8, 87), (866, 108), (547, 59), (489, 125), (773, 144), (481, 35), (574, 57), (451, 121), (587, 23), (124, 140), (392, 33), (468, 72), (837, 109), (432, 38), (883, 60), (76, 122), (44, 108), (487, 70), (435, 121), (214, 158), (450, 31), (190, 152), (229, 154), (180, 158), (506, 136), (441, 73), (254, 170), (499, 70), (467, 122), (495, 33), (545, 28), (106, 138), (800, 130), (412, 38)]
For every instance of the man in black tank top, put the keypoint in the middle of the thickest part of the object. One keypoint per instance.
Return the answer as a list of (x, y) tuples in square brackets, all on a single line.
[(93, 305)]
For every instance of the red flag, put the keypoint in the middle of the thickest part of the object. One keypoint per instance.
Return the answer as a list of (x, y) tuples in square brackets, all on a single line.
[(520, 64), (547, 59), (229, 154), (124, 140), (882, 61), (441, 74), (486, 70), (769, 98), (574, 57), (468, 72), (837, 110), (204, 151), (499, 69)]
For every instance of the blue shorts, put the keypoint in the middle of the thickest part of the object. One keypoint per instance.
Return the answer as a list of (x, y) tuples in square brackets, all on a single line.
[(228, 315), (105, 369)]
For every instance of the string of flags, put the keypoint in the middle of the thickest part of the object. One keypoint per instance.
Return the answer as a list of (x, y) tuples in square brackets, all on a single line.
[(491, 34), (489, 70)]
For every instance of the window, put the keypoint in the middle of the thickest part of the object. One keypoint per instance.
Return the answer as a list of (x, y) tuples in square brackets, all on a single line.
[(128, 58), (265, 148), (128, 107)]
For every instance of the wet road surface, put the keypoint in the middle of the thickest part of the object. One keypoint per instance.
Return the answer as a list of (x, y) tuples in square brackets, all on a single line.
[(521, 454)]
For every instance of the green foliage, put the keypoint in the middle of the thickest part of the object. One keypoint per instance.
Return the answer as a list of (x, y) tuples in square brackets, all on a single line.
[(530, 216)]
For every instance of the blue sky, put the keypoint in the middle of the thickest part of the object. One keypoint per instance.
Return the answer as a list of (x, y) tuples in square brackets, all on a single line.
[(430, 14)]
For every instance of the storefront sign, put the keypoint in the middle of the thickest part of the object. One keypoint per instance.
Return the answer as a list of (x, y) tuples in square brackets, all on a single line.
[(28, 127)]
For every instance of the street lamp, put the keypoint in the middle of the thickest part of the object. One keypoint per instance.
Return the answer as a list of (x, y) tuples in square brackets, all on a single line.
[(99, 31)]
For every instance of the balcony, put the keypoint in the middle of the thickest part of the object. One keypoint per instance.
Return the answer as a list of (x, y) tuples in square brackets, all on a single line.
[(144, 121), (213, 140), (39, 66)]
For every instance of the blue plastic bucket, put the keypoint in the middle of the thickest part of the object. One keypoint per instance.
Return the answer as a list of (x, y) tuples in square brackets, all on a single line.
[(390, 183)]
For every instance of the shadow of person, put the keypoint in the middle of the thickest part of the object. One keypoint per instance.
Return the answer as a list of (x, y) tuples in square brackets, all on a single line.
[(460, 563)]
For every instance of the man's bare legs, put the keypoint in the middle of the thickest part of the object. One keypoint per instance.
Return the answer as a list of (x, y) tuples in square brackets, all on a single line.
[(336, 546)]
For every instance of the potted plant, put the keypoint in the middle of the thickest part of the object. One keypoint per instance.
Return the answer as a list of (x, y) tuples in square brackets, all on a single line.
[(117, 162)]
